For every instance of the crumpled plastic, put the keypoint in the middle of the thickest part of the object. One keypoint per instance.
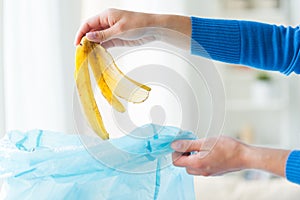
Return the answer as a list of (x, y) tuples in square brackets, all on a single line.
[(45, 165)]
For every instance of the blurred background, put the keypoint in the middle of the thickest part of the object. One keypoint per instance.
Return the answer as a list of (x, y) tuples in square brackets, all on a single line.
[(36, 79)]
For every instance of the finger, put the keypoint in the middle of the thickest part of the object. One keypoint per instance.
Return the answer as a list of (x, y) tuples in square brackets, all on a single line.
[(192, 171), (87, 26), (176, 156), (187, 145), (103, 35), (81, 32), (186, 161), (98, 22)]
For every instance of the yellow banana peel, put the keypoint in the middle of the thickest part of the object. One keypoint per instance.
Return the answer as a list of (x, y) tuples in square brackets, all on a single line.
[(111, 81), (123, 86)]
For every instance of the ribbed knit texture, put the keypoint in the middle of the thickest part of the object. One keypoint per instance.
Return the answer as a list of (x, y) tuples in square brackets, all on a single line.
[(259, 45), (216, 39), (293, 167)]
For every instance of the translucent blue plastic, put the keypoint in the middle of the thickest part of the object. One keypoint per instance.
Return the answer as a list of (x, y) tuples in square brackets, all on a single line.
[(46, 165)]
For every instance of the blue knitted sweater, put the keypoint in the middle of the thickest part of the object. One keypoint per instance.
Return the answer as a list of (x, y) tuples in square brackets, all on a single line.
[(259, 45)]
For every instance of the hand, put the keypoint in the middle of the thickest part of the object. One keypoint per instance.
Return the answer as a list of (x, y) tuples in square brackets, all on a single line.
[(214, 156), (112, 28), (225, 155)]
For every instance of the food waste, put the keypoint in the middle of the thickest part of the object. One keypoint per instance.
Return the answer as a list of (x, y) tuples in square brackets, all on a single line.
[(112, 82)]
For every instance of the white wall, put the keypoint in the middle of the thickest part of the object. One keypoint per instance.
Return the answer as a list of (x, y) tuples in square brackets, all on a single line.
[(203, 8), (156, 6), (2, 115), (192, 7), (294, 12), (93, 7), (39, 63), (295, 82), (295, 111), (70, 16)]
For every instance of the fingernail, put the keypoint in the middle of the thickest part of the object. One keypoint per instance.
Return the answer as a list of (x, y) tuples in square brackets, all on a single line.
[(176, 145), (91, 35)]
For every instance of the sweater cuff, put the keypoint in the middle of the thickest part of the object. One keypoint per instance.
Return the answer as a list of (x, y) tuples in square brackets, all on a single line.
[(293, 167), (216, 39)]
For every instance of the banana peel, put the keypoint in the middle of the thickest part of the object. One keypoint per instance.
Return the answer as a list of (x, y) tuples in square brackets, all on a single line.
[(123, 86), (110, 80)]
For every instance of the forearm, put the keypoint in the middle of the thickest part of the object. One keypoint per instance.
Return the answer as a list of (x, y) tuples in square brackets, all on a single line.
[(254, 44), (176, 29), (267, 159), (177, 23)]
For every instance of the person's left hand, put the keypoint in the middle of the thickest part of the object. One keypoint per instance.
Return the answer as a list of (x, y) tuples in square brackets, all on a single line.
[(224, 155)]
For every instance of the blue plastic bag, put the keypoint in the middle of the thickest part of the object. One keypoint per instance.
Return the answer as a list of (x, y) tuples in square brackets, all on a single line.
[(45, 165)]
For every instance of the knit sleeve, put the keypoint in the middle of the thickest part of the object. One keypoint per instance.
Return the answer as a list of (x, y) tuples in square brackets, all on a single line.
[(254, 44), (293, 167)]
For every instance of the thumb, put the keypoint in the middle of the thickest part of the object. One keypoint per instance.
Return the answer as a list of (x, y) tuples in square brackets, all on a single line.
[(187, 145), (100, 36)]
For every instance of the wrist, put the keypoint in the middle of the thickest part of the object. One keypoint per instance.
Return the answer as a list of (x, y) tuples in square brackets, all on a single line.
[(266, 159), (249, 157), (245, 156), (178, 23)]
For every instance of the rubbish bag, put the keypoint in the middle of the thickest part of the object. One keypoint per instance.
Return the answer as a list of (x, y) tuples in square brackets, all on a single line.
[(46, 165)]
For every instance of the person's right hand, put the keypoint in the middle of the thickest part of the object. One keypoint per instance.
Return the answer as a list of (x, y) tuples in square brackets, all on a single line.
[(216, 156), (108, 25), (112, 22)]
